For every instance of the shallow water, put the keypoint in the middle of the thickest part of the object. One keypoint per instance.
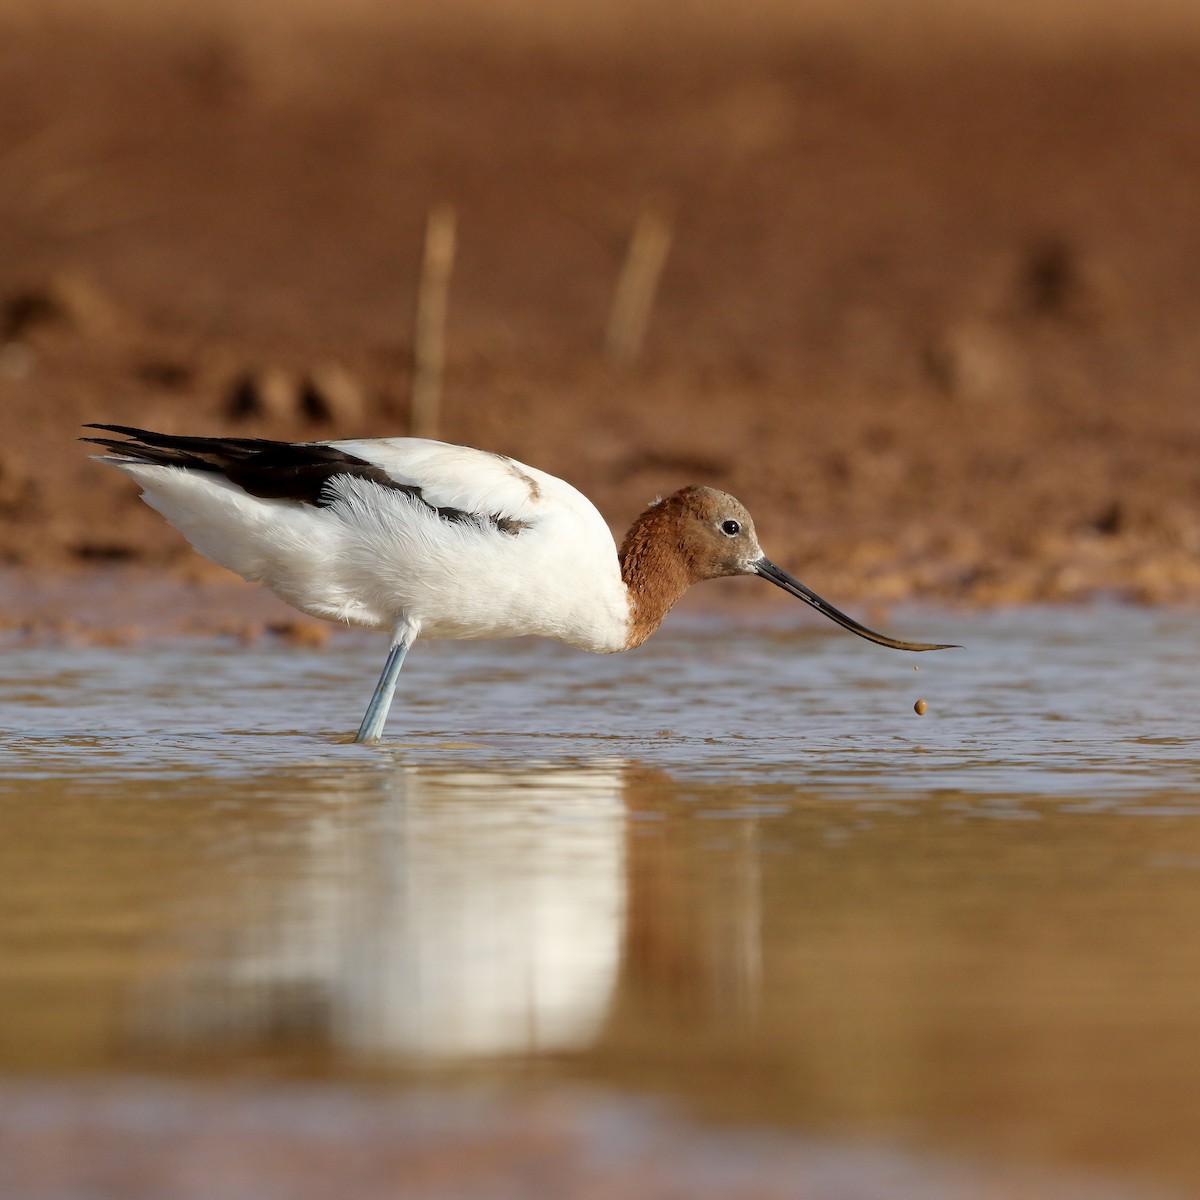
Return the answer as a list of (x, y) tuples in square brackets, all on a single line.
[(734, 869)]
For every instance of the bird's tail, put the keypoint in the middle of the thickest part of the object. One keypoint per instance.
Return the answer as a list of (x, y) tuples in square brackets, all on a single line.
[(174, 450)]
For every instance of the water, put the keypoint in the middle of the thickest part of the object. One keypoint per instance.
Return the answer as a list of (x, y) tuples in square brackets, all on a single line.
[(734, 870)]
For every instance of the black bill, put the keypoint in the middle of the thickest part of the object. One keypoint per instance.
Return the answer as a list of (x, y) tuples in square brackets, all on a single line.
[(793, 587)]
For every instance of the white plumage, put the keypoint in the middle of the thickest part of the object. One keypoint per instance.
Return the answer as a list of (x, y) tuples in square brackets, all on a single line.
[(419, 537), (373, 555)]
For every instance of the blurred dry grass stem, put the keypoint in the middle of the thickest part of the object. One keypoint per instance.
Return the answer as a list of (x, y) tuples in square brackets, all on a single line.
[(429, 339), (636, 287)]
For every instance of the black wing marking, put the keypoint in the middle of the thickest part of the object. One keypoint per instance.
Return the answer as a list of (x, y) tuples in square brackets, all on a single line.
[(273, 470)]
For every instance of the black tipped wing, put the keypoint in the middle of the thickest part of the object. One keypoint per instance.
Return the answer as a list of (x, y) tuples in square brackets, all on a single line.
[(272, 470)]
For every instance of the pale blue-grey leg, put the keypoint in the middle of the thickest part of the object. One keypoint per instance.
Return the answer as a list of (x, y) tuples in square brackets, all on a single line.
[(381, 701)]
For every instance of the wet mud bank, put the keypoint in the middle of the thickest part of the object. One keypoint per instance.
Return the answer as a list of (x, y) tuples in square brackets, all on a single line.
[(931, 316)]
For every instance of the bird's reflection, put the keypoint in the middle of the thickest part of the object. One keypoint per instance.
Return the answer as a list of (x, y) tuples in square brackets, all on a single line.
[(438, 915), (454, 914)]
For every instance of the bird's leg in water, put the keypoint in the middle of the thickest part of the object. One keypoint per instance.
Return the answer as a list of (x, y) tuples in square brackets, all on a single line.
[(381, 701)]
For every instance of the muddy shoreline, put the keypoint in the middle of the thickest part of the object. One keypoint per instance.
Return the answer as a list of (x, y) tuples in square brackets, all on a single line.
[(930, 316)]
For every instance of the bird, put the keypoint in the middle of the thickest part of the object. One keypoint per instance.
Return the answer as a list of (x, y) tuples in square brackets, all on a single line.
[(420, 537)]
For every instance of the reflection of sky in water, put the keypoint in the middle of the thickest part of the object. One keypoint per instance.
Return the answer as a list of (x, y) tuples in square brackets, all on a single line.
[(1064, 702)]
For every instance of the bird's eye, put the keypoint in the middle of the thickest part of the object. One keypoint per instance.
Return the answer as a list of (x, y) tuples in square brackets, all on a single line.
[(730, 528)]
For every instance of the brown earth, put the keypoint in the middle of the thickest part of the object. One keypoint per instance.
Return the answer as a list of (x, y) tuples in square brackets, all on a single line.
[(929, 309)]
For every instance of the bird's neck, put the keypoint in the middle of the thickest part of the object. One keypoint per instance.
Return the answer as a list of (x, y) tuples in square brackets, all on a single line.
[(655, 572)]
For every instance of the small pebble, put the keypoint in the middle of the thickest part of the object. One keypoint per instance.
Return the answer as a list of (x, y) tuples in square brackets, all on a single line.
[(920, 707), (270, 394), (331, 394)]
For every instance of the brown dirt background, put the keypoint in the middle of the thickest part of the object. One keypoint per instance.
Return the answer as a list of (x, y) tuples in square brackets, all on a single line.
[(930, 308)]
